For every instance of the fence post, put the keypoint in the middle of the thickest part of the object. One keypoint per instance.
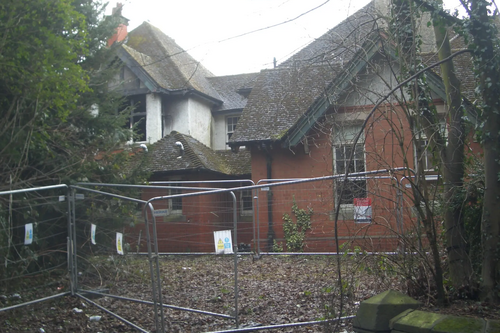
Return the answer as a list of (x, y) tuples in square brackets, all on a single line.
[(72, 264)]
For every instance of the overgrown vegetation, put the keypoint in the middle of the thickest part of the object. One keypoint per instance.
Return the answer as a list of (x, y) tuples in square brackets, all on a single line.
[(295, 231), (60, 123)]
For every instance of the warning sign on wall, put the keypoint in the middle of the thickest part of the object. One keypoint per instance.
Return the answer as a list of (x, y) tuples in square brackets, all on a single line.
[(223, 242), (363, 210)]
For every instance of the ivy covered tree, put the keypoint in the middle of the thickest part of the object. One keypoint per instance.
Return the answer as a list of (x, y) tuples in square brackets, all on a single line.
[(479, 29), (59, 118), (55, 68)]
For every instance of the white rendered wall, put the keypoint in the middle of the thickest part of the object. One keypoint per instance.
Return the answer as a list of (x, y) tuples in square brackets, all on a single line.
[(370, 87), (153, 118), (219, 132), (178, 111), (200, 121)]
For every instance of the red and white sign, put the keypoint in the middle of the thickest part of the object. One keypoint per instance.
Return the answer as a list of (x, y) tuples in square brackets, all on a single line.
[(363, 210)]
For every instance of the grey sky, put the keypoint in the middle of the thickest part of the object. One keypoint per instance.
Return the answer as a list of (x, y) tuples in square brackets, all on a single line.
[(205, 28)]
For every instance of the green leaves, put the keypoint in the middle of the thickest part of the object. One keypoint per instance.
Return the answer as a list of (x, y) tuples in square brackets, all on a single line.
[(295, 231), (55, 68)]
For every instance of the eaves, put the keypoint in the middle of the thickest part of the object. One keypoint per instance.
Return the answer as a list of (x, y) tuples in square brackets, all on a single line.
[(153, 86), (161, 174), (334, 89), (226, 112), (355, 66)]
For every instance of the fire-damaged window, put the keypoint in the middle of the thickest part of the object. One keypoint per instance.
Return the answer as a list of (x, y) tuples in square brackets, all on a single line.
[(137, 119), (354, 188), (342, 149)]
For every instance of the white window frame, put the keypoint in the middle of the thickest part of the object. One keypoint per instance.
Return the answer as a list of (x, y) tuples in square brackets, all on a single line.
[(230, 130), (427, 154), (343, 137)]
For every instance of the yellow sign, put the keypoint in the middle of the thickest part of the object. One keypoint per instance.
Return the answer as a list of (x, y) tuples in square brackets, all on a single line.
[(220, 245)]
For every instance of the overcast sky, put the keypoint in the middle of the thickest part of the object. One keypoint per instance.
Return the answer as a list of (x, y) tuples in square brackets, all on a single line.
[(217, 32)]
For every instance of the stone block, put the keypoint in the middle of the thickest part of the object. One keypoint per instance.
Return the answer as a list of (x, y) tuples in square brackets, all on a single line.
[(415, 321), (452, 324), (492, 326), (375, 313)]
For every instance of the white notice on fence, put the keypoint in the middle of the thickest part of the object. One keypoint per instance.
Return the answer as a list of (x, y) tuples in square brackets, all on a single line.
[(119, 243), (92, 233), (363, 210), (28, 234), (223, 242), (160, 212)]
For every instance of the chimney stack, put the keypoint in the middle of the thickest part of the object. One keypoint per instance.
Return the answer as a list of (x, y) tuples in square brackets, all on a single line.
[(121, 30)]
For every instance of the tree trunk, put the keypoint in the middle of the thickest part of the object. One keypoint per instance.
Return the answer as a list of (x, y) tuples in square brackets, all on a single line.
[(452, 154), (484, 33)]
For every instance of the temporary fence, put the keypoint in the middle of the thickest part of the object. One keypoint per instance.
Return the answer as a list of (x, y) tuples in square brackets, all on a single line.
[(157, 207), (34, 241), (183, 216)]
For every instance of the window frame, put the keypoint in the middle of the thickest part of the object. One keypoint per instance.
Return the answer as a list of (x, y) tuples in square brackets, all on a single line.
[(230, 132), (175, 206), (244, 194), (427, 153), (141, 114), (344, 137)]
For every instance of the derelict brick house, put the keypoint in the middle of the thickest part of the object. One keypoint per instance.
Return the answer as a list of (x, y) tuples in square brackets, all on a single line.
[(301, 119), (188, 223), (298, 120), (180, 104)]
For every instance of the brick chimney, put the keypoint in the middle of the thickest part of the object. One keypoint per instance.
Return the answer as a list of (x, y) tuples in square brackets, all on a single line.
[(121, 30)]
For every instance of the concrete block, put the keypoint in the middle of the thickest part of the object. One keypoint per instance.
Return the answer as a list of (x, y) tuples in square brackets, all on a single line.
[(375, 313), (492, 326), (415, 321)]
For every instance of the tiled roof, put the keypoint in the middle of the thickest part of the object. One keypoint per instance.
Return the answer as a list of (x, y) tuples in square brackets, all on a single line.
[(163, 156), (340, 43), (168, 64), (281, 96), (278, 99), (228, 86)]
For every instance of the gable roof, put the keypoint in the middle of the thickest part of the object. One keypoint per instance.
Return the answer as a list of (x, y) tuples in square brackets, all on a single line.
[(347, 49), (278, 99), (169, 66), (284, 96), (229, 88), (163, 157), (340, 43)]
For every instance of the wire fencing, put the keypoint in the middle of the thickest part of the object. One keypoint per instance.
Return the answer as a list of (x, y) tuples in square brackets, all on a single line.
[(73, 229), (33, 245)]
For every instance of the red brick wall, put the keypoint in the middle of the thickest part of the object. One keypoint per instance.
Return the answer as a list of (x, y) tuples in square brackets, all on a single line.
[(201, 216), (383, 150), (388, 144)]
